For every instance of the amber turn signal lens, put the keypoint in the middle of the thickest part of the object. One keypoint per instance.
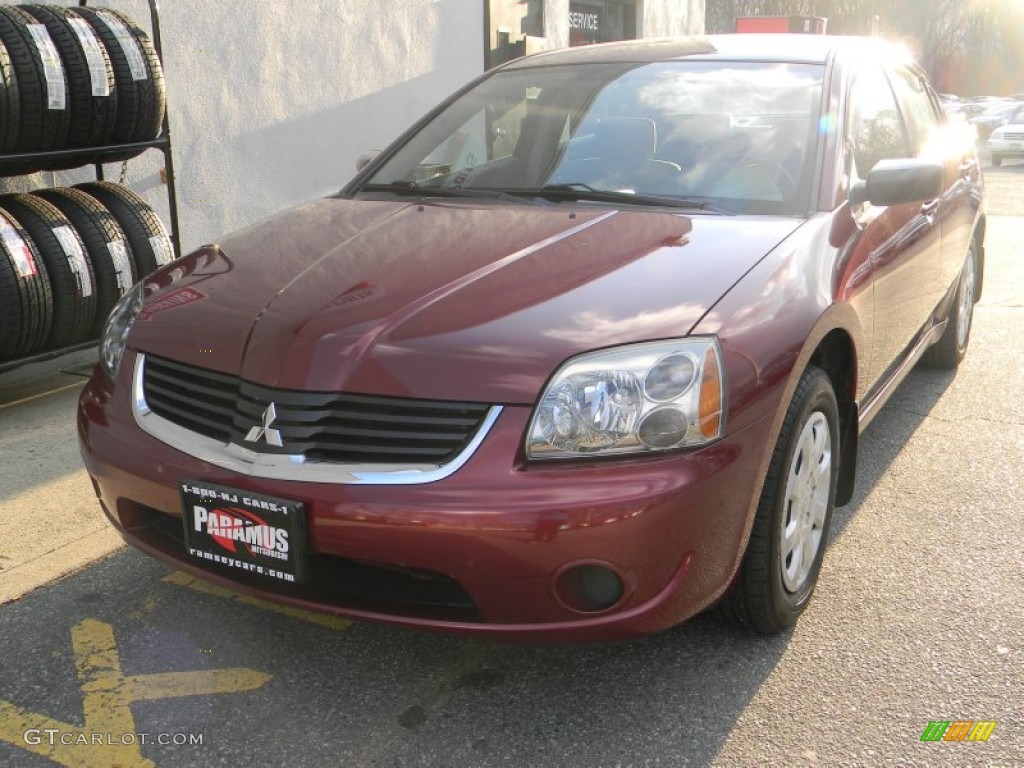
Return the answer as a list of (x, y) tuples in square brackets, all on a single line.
[(710, 412)]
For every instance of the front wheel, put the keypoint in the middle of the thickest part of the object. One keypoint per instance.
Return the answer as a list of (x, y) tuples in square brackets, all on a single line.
[(783, 558)]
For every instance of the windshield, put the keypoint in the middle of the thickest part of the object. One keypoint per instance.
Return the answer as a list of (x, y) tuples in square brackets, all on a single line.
[(740, 136)]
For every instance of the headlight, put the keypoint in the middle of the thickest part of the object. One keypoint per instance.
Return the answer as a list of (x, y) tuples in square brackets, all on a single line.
[(115, 332), (654, 396)]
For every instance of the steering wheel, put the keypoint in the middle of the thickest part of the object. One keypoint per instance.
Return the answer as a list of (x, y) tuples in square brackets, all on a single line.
[(778, 174)]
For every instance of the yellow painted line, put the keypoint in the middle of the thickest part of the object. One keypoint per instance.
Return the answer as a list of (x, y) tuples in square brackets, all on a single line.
[(181, 579), (169, 685), (109, 735), (41, 395), (27, 730)]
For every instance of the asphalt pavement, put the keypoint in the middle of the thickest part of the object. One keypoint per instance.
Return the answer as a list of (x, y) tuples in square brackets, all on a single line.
[(917, 618)]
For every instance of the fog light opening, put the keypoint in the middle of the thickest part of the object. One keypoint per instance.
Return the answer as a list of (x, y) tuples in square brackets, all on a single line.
[(589, 588)]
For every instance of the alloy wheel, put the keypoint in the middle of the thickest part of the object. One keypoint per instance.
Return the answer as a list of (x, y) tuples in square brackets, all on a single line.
[(808, 483), (966, 309)]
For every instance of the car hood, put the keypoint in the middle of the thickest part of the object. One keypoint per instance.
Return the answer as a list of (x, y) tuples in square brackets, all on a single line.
[(447, 300)]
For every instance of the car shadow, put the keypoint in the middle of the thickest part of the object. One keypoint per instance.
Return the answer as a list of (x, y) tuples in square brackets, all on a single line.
[(693, 681), (385, 696), (889, 432)]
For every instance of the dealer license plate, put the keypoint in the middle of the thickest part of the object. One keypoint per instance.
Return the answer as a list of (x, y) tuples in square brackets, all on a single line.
[(248, 532)]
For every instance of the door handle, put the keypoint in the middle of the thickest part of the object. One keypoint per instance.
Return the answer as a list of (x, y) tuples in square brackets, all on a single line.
[(929, 209)]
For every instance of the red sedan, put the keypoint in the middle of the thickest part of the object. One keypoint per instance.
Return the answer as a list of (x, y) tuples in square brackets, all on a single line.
[(583, 353)]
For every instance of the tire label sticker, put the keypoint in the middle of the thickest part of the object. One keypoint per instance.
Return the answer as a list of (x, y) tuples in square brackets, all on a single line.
[(162, 250), (122, 265), (93, 55), (52, 68), (76, 259), (128, 43), (18, 249)]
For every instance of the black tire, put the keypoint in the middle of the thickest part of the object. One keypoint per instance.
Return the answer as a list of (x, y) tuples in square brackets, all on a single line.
[(26, 307), (10, 114), (148, 239), (64, 255), (105, 242), (997, 160), (40, 127), (92, 117), (763, 597), (951, 347), (140, 102)]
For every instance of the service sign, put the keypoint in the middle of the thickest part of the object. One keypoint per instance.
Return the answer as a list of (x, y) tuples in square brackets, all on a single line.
[(585, 24), (260, 535)]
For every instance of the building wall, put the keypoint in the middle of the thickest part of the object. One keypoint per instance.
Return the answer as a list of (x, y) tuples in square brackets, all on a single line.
[(272, 101), (650, 18), (667, 18), (556, 23)]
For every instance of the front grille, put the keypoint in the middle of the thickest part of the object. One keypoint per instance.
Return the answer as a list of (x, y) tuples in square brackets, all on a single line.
[(1014, 136), (322, 426)]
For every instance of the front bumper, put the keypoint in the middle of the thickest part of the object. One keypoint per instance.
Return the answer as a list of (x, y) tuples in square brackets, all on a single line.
[(477, 552)]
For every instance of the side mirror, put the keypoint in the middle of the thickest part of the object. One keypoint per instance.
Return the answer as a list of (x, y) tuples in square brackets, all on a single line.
[(365, 159), (892, 182)]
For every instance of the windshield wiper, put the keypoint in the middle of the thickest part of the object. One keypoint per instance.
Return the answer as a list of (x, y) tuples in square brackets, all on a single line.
[(415, 189), (403, 187), (576, 190)]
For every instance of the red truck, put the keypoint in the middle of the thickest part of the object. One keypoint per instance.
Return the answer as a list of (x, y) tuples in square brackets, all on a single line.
[(812, 25)]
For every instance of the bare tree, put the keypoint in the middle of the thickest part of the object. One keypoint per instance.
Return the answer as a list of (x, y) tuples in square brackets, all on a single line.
[(969, 47)]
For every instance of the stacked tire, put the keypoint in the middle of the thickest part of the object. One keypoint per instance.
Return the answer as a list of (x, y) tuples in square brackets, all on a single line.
[(26, 304), (75, 78), (66, 256)]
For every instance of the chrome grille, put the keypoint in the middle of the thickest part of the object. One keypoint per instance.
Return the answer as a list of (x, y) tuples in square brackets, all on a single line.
[(321, 426)]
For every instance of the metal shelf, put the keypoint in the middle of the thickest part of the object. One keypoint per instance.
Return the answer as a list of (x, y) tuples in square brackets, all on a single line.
[(22, 165), (86, 155), (43, 357)]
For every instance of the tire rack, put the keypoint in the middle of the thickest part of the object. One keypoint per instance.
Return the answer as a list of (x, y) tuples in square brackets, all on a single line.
[(161, 142)]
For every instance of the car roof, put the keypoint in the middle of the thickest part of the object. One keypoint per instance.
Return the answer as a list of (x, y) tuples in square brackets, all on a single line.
[(795, 48)]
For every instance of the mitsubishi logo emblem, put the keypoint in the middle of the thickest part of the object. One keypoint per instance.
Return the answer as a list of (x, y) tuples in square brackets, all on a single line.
[(272, 436)]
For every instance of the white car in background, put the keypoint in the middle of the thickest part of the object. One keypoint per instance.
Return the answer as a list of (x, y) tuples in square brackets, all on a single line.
[(1008, 139)]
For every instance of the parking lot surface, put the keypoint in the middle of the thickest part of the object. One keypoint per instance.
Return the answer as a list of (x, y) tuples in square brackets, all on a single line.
[(917, 618)]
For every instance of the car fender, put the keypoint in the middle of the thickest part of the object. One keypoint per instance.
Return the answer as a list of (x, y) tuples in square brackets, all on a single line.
[(809, 286)]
